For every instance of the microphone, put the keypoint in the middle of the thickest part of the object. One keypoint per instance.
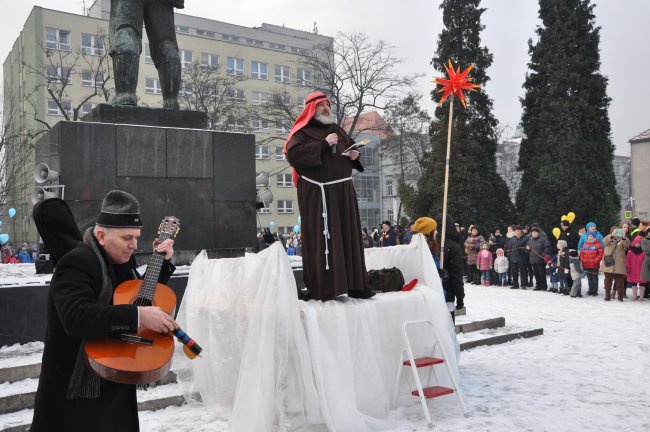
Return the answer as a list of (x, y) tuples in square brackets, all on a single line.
[(332, 129)]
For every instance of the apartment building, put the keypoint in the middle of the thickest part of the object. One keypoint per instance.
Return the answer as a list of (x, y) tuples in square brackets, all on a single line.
[(65, 48)]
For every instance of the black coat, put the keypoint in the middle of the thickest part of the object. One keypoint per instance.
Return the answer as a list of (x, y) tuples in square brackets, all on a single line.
[(539, 248), (570, 237), (518, 253), (453, 263), (74, 314)]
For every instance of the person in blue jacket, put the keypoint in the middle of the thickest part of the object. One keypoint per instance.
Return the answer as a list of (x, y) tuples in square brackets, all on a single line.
[(591, 228)]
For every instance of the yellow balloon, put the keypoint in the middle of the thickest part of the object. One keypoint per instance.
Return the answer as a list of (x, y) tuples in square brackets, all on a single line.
[(556, 232), (571, 217), (564, 217)]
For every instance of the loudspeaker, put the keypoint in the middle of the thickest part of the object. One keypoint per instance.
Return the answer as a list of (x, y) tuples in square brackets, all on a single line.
[(266, 196), (262, 179), (40, 194), (43, 173)]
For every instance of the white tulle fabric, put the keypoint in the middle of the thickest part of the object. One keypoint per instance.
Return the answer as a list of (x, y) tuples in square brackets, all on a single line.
[(271, 362)]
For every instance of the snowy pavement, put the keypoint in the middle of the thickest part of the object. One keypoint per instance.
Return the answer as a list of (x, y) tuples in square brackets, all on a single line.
[(590, 371)]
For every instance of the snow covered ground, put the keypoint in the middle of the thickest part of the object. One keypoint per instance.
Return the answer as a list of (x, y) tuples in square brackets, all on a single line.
[(590, 371)]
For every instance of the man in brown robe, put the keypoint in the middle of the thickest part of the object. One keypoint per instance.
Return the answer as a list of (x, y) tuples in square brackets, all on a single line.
[(333, 258)]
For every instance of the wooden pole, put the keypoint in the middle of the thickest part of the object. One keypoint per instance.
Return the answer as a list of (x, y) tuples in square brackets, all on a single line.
[(444, 199)]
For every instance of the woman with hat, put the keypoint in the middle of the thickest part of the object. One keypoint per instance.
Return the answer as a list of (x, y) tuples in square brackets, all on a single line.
[(452, 268)]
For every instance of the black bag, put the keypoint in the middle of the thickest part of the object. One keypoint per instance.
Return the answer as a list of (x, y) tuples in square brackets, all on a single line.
[(609, 260), (386, 279), (57, 227)]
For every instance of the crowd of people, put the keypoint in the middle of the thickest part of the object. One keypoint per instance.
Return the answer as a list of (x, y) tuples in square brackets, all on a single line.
[(26, 254), (526, 257)]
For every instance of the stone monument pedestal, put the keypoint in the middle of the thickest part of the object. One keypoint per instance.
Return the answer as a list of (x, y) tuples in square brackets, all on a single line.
[(173, 166)]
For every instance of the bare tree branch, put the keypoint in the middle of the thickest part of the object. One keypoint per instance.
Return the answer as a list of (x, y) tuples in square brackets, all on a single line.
[(358, 75)]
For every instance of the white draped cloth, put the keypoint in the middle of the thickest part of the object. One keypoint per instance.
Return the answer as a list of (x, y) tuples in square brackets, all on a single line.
[(271, 362)]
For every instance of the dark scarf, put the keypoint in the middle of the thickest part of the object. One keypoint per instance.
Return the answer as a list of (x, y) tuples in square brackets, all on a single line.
[(84, 384), (636, 250)]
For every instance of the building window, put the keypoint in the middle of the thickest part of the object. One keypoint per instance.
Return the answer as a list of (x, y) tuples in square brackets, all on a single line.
[(279, 154), (57, 39), (53, 109), (285, 206), (230, 38), (389, 216), (300, 102), (147, 54), (90, 79), (182, 29), (284, 180), (298, 50), (259, 98), (236, 95), (303, 77), (87, 107), (261, 152), (186, 59), (235, 66), (389, 187), (209, 61), (92, 44), (264, 210), (57, 74), (282, 73), (281, 128), (152, 85), (186, 89), (255, 42), (206, 33), (261, 126), (277, 46), (367, 187), (259, 70), (236, 126)]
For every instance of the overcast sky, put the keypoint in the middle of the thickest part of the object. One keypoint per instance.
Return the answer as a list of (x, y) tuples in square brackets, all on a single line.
[(412, 27)]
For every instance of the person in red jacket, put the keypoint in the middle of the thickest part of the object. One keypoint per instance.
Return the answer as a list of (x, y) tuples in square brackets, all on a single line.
[(591, 254)]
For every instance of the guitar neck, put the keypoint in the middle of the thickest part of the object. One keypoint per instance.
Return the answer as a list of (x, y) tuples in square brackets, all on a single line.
[(148, 287)]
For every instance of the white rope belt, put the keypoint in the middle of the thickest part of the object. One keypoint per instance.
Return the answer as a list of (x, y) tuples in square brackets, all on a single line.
[(326, 232)]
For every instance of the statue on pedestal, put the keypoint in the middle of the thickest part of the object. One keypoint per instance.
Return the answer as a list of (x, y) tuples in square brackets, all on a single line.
[(125, 34)]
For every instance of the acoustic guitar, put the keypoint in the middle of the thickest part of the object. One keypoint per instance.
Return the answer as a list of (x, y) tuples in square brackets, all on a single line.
[(144, 357)]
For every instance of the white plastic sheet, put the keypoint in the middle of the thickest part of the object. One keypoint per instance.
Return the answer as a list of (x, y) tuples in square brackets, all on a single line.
[(272, 362)]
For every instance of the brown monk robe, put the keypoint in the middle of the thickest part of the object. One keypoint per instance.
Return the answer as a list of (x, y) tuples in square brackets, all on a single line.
[(312, 158)]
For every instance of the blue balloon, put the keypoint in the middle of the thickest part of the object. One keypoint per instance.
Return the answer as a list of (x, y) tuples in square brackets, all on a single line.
[(12, 212), (299, 220), (271, 224), (296, 229), (4, 238)]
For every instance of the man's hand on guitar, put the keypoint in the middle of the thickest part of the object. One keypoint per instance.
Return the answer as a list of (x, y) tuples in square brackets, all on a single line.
[(153, 318), (166, 247)]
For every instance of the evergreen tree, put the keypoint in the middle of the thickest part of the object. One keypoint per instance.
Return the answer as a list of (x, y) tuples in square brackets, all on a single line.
[(566, 155), (477, 195)]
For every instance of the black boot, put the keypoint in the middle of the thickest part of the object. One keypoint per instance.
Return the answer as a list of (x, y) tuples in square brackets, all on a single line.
[(125, 68), (170, 82)]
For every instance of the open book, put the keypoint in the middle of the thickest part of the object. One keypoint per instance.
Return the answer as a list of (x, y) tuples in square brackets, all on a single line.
[(357, 145)]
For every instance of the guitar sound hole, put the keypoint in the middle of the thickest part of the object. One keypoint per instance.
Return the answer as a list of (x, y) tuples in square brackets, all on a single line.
[(141, 301)]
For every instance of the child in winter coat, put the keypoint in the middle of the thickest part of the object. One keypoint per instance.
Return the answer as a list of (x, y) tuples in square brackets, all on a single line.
[(633, 264), (591, 254), (484, 263), (501, 268), (575, 267), (562, 266)]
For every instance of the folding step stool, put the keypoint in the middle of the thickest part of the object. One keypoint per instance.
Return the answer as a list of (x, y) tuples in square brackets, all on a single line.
[(430, 362)]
